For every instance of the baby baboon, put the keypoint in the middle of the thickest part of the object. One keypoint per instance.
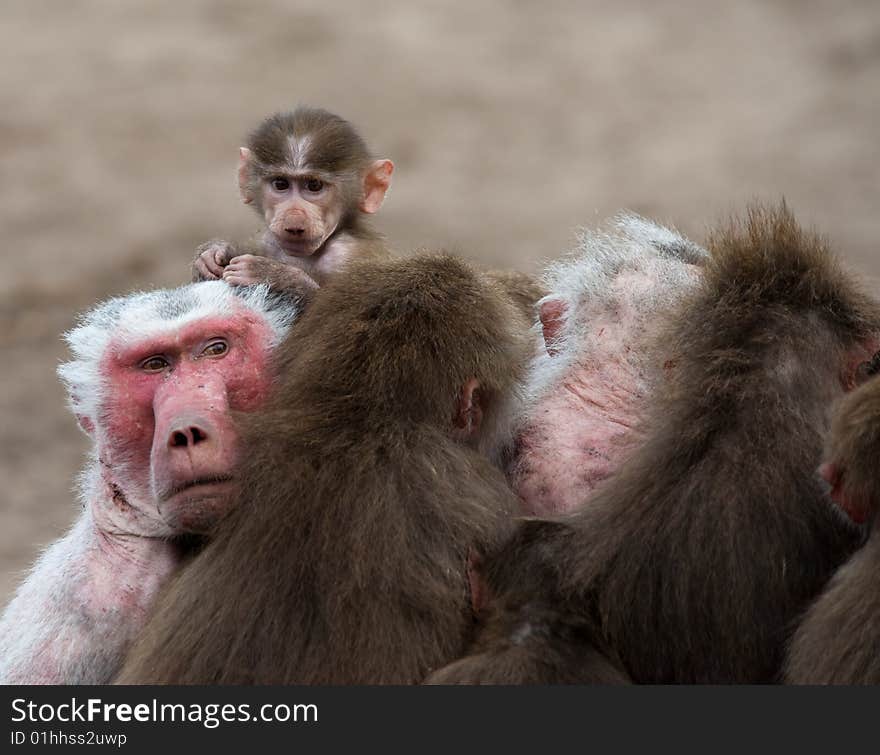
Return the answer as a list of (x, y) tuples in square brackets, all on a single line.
[(366, 493), (691, 563), (313, 180), (310, 176)]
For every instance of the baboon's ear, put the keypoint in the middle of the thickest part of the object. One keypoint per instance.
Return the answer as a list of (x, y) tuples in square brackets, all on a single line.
[(244, 175), (552, 313), (377, 180), (479, 587), (469, 412)]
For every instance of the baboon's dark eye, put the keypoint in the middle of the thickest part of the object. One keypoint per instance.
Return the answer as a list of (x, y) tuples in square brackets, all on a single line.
[(216, 348), (280, 184), (154, 363), (314, 185)]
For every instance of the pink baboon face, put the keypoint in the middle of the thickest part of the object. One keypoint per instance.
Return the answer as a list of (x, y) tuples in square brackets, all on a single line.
[(167, 433)]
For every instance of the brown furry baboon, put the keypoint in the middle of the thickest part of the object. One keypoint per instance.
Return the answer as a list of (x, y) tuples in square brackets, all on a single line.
[(691, 563), (838, 641), (366, 491)]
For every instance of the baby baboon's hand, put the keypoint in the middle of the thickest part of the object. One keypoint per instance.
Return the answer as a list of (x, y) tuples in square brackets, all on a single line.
[(211, 257), (250, 269)]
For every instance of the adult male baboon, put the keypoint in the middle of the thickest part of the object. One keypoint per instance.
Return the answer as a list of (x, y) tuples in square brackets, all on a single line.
[(692, 561), (153, 380), (366, 492)]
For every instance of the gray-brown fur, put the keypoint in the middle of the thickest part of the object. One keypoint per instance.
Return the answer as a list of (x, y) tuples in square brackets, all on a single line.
[(694, 561), (838, 641), (529, 636), (345, 559), (523, 289)]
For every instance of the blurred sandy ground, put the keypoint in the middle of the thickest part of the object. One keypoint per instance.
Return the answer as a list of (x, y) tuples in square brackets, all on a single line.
[(511, 124)]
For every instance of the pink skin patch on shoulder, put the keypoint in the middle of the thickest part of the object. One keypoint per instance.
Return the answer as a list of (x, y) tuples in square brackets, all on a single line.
[(580, 433), (586, 425)]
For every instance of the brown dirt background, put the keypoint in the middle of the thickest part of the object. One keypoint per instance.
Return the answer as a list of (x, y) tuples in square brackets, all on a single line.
[(511, 125)]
